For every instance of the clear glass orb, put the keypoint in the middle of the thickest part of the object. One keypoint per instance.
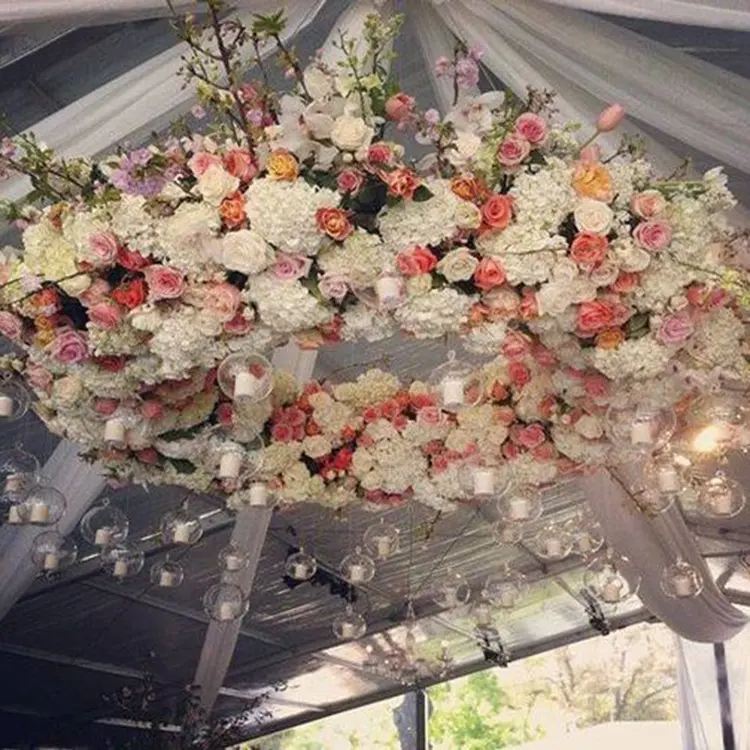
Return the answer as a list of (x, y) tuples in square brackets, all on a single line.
[(719, 423), (16, 513), (381, 539), (484, 482), (665, 475), (522, 505), (105, 525), (225, 602), (652, 502), (720, 497), (122, 561), (19, 472), (44, 506), (181, 527), (53, 552), (456, 385), (505, 589), (357, 568), (451, 590), (14, 400), (239, 463), (300, 566), (349, 625), (116, 427), (553, 543), (508, 533), (245, 377), (611, 578), (588, 537), (232, 559), (681, 580), (388, 292), (167, 574), (643, 428)]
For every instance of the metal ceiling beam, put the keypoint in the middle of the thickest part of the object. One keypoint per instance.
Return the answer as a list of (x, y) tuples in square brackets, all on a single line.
[(81, 483)]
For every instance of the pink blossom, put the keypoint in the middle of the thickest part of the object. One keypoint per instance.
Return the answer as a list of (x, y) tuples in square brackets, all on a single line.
[(676, 328), (610, 118), (198, 112), (69, 347), (400, 108), (106, 407), (432, 117), (222, 301), (201, 161), (105, 315), (653, 235), (291, 266), (11, 325), (350, 181), (467, 73), (532, 127), (164, 282), (103, 246), (513, 150), (333, 286), (596, 385), (152, 409), (443, 66)]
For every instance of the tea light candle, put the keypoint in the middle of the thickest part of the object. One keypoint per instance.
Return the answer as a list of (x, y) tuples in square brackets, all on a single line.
[(103, 537), (519, 508), (484, 482), (14, 483), (39, 513), (347, 630), (167, 578), (258, 495), (669, 479), (452, 390), (721, 503), (229, 467), (553, 547), (14, 515), (233, 562), (181, 533), (356, 573), (483, 615), (114, 431), (226, 611), (300, 571), (246, 384), (383, 546), (507, 598), (611, 591), (6, 406), (388, 290), (51, 561), (640, 433), (682, 585), (120, 569)]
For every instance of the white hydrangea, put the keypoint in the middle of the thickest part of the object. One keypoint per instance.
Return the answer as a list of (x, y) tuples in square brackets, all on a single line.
[(717, 340), (133, 225), (487, 338), (121, 340), (635, 358), (186, 236), (527, 471), (360, 259), (277, 457), (362, 322), (578, 448), (543, 199), (434, 314), (78, 228), (283, 213), (47, 252), (286, 306), (427, 492), (664, 279), (372, 387)]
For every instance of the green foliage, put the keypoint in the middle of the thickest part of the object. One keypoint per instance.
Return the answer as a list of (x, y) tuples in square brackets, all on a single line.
[(270, 26)]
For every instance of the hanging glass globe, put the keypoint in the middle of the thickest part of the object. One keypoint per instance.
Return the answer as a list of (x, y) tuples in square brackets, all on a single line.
[(245, 377), (451, 591), (17, 513), (522, 505), (357, 568), (381, 539), (53, 552), (19, 472), (14, 399), (105, 525), (300, 566), (122, 561), (455, 384), (181, 527), (259, 495), (720, 497), (225, 602), (505, 589), (681, 580), (587, 534), (605, 577), (719, 422), (387, 292), (484, 482), (652, 502), (553, 543), (238, 462), (508, 533), (349, 625), (666, 475), (44, 506), (233, 559), (643, 428), (167, 574)]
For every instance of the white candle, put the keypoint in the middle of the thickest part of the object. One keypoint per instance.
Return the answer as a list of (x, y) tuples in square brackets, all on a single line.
[(519, 508), (507, 598), (452, 390), (14, 483), (300, 571), (554, 547), (722, 503), (483, 615), (114, 431), (388, 290), (229, 468), (356, 573), (103, 537), (233, 562), (14, 515), (258, 495), (181, 533), (51, 561), (347, 630), (640, 433), (167, 578), (611, 591), (39, 513), (246, 384), (6, 406), (682, 585), (121, 568), (484, 482), (383, 546), (226, 611), (669, 479)]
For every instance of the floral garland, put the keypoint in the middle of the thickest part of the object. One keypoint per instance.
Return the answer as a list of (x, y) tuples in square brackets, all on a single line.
[(585, 277)]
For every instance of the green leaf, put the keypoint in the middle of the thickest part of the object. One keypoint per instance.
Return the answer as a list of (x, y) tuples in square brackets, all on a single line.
[(421, 194), (182, 465), (271, 25)]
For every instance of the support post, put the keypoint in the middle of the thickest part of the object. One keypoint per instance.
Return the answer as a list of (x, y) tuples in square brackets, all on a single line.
[(725, 698)]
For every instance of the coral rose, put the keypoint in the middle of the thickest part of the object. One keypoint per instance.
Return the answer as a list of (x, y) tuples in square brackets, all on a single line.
[(240, 163), (402, 183), (592, 181), (400, 108), (488, 274), (497, 212), (599, 314), (588, 249), (130, 294), (417, 261), (625, 282), (232, 210), (529, 306), (282, 165), (334, 222)]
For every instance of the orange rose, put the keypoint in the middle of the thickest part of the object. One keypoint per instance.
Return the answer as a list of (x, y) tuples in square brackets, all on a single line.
[(488, 274), (610, 339), (334, 222), (592, 181), (467, 186), (402, 183), (232, 210), (282, 165), (497, 212)]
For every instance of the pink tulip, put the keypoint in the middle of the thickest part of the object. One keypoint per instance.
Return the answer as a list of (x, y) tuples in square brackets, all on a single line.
[(610, 118)]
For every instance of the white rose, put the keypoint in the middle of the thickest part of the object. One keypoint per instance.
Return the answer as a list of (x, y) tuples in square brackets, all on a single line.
[(458, 265), (316, 446), (215, 184), (605, 274), (631, 258), (554, 298), (468, 216), (593, 216), (589, 427), (76, 286), (246, 251), (419, 284), (66, 391), (319, 124), (351, 133), (465, 148), (318, 84)]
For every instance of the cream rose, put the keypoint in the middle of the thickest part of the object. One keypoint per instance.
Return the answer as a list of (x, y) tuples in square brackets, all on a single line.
[(468, 216), (316, 446), (458, 265), (465, 148), (593, 216), (67, 391), (246, 251), (351, 133), (589, 427), (419, 284), (215, 184)]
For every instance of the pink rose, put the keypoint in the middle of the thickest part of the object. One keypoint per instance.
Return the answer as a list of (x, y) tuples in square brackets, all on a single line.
[(106, 407), (543, 356), (164, 282), (379, 153), (350, 181), (147, 456), (430, 415), (532, 127), (333, 286), (11, 325), (282, 433), (97, 292), (225, 414), (519, 373), (510, 451), (596, 385), (502, 300), (653, 235), (291, 266), (513, 150), (400, 108), (647, 204), (152, 409), (238, 325), (39, 378), (103, 247), (516, 345), (201, 161), (528, 437), (505, 415), (676, 328), (294, 416), (610, 118), (105, 315), (69, 347), (222, 301), (240, 163), (415, 262), (545, 452)]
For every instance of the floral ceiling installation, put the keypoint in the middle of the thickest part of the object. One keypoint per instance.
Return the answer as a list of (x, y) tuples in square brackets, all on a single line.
[(585, 279)]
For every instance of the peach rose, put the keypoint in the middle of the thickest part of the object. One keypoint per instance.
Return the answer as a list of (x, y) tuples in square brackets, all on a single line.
[(334, 222), (529, 307), (222, 301), (402, 183), (609, 339), (232, 210), (588, 249), (282, 165), (512, 150), (591, 180), (240, 163), (653, 235), (400, 108), (497, 212), (647, 204), (532, 127), (488, 274), (625, 282), (164, 282), (105, 315), (467, 187), (417, 261)]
